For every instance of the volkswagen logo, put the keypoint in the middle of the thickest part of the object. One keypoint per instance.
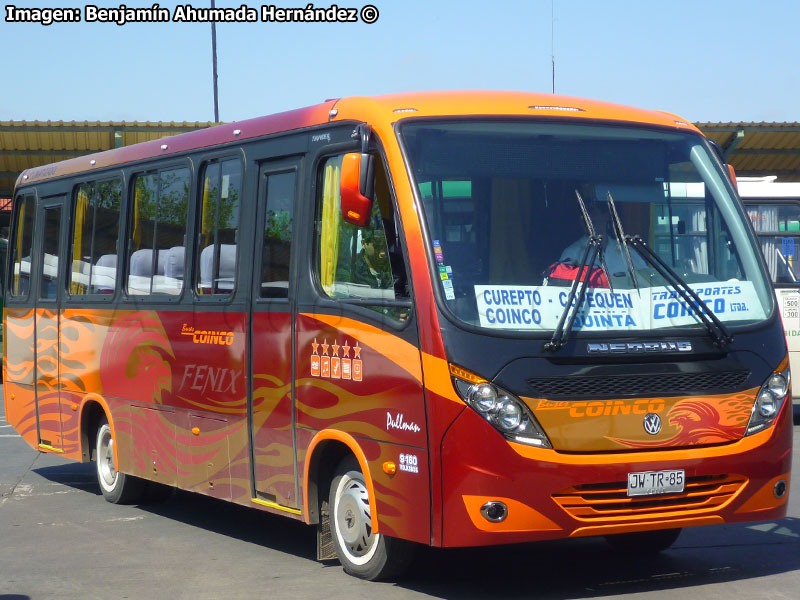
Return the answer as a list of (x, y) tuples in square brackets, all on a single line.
[(652, 423)]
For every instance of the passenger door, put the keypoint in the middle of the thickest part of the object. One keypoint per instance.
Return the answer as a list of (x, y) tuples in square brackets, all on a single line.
[(271, 398), (47, 363)]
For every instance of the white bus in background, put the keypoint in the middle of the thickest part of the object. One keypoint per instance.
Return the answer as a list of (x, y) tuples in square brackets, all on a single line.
[(774, 210)]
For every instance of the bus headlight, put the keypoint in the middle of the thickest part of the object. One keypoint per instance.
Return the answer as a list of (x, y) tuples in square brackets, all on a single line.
[(504, 411), (483, 397), (769, 401), (778, 385), (509, 414)]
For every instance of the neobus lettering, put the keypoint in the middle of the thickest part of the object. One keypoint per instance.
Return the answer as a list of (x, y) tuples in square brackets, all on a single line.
[(607, 408)]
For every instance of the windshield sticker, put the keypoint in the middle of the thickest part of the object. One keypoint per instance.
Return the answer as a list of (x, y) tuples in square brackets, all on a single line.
[(538, 308), (448, 289), (437, 251), (445, 271)]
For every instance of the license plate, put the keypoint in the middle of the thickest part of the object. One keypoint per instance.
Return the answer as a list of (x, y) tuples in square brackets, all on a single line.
[(647, 483)]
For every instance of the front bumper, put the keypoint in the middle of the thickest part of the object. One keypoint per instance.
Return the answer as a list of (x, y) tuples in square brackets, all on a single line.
[(555, 495)]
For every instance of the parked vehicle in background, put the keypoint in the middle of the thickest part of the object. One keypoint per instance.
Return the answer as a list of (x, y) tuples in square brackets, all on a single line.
[(774, 210)]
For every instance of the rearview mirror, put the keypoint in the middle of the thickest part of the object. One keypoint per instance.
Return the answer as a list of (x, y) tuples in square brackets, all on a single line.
[(732, 173), (357, 187)]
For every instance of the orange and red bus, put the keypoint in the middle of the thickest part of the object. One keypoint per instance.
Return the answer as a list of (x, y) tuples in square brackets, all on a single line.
[(452, 319)]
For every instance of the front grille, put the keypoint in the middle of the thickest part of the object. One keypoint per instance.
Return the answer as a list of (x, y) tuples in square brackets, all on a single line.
[(616, 386), (610, 501)]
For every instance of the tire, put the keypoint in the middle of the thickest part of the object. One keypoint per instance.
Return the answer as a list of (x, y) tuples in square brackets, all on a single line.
[(117, 488), (644, 542), (363, 554)]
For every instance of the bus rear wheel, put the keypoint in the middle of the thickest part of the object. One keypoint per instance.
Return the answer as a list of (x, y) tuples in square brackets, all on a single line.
[(362, 552), (117, 488), (644, 542)]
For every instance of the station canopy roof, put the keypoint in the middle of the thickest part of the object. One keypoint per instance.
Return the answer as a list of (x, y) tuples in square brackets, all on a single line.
[(754, 149), (26, 144)]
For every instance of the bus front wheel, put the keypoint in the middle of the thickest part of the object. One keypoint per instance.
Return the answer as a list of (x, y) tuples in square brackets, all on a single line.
[(362, 552), (117, 488)]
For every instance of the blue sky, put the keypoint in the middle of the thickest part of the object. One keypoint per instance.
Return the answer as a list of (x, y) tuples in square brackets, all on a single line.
[(707, 60)]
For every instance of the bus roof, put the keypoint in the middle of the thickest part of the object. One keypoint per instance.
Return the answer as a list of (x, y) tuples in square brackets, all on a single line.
[(767, 187), (379, 111)]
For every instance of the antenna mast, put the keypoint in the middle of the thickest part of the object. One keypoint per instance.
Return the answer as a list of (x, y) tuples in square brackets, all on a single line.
[(552, 42)]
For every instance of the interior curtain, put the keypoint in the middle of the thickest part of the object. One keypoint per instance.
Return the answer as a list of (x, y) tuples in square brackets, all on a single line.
[(137, 227), (18, 254), (765, 218), (331, 218), (699, 250), (209, 215), (81, 206), (207, 226), (509, 255)]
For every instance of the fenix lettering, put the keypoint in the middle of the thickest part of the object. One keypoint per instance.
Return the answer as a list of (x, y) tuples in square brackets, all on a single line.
[(214, 379)]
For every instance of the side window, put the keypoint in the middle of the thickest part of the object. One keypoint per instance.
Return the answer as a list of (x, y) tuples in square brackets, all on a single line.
[(218, 237), (158, 232), (95, 232), (21, 245), (48, 289), (276, 251), (360, 262), (778, 230)]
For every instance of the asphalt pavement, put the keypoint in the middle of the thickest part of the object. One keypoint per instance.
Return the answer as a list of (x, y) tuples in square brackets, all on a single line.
[(60, 539)]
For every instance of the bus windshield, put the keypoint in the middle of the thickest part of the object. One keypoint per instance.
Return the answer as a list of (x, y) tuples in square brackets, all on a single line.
[(509, 207)]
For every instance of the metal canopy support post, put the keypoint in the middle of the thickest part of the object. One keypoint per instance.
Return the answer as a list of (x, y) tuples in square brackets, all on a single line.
[(732, 145)]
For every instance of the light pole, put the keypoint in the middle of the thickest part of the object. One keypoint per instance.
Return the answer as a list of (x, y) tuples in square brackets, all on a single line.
[(214, 60)]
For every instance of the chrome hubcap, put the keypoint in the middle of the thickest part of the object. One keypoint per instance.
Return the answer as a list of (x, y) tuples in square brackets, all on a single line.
[(105, 458), (353, 517)]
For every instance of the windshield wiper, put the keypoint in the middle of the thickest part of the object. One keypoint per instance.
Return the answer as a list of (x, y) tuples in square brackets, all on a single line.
[(622, 243), (594, 246), (720, 334), (591, 232)]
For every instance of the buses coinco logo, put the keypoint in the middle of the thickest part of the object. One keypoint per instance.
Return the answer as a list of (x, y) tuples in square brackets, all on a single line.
[(326, 362), (214, 338)]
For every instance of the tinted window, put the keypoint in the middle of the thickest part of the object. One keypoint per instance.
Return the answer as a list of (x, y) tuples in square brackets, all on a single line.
[(276, 250), (218, 237), (21, 244), (95, 231), (158, 232)]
